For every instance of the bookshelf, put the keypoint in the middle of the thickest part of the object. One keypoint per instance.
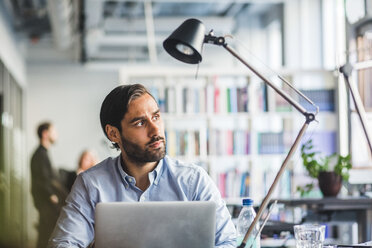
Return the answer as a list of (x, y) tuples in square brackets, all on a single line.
[(231, 124), (360, 56)]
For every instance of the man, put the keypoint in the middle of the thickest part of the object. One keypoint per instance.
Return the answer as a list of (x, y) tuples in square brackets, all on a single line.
[(44, 180), (131, 120)]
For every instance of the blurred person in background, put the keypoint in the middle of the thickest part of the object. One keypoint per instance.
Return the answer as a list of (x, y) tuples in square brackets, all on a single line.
[(87, 159), (46, 190)]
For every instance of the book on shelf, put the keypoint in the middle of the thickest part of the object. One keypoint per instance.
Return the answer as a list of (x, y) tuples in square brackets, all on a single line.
[(242, 96), (229, 106), (365, 88), (262, 98), (228, 142), (178, 100), (199, 100), (183, 142), (171, 143), (234, 183), (217, 100), (221, 184), (241, 144), (364, 47), (209, 98), (170, 99), (245, 184), (281, 105), (270, 143), (324, 141), (185, 101), (323, 98), (190, 99), (364, 53), (159, 94)]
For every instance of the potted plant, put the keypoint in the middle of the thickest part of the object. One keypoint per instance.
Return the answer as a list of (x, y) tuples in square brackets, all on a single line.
[(330, 170)]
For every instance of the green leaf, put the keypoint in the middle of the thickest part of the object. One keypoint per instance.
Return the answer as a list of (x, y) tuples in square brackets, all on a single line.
[(315, 163)]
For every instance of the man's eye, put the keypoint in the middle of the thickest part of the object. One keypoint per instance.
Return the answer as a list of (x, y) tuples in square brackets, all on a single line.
[(156, 117), (139, 124)]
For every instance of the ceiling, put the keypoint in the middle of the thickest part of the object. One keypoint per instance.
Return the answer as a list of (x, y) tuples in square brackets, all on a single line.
[(122, 31)]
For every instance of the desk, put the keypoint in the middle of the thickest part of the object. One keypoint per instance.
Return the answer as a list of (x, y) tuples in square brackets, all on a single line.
[(330, 208)]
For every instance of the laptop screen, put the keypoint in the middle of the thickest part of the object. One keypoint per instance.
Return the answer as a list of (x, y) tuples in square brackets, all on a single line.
[(155, 224)]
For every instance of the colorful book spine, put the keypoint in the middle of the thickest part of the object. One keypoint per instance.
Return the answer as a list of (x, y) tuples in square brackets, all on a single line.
[(234, 183), (233, 100), (270, 143), (323, 98), (228, 142), (323, 141)]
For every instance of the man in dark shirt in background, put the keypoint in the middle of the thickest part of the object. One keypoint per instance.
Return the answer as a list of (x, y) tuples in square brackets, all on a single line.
[(44, 184)]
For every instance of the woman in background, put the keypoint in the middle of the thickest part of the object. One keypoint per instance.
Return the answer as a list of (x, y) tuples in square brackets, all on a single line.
[(87, 160)]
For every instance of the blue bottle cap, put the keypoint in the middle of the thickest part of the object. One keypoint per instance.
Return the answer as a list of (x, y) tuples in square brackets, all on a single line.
[(247, 202)]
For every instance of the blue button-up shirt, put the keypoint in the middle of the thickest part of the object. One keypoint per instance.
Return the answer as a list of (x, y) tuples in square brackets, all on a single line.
[(172, 180)]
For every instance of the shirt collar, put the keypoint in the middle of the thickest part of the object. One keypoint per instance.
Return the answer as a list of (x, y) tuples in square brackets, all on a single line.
[(154, 176), (123, 174), (158, 171)]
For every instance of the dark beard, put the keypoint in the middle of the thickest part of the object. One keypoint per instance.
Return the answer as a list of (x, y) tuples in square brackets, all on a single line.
[(138, 155)]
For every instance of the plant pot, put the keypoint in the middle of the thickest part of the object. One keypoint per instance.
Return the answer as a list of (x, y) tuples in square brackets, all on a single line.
[(329, 183)]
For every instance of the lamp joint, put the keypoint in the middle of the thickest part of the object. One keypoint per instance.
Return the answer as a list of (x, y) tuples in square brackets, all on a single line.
[(309, 117), (211, 39)]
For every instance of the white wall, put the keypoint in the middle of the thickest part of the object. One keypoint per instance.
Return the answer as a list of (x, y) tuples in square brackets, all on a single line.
[(69, 96)]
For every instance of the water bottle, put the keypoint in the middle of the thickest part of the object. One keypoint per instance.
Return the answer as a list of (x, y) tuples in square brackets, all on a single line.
[(246, 217)]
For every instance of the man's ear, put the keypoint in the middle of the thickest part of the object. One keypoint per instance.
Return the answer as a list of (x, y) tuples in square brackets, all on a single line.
[(45, 134), (112, 133)]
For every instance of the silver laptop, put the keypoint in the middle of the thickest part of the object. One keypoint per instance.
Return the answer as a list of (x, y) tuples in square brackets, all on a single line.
[(155, 224)]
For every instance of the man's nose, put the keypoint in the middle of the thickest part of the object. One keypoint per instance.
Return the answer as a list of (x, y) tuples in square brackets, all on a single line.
[(154, 128)]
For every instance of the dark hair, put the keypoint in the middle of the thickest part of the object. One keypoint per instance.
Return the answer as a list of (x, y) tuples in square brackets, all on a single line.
[(42, 127), (115, 105)]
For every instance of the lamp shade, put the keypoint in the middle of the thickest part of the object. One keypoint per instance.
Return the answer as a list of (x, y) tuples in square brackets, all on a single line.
[(186, 42)]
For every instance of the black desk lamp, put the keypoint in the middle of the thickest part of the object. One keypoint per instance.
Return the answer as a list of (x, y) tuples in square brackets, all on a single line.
[(186, 43)]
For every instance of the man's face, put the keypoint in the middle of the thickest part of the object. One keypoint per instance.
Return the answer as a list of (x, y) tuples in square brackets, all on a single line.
[(142, 137), (52, 134)]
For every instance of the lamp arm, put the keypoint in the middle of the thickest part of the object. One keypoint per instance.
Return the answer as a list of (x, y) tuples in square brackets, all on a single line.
[(346, 71), (267, 198), (309, 118)]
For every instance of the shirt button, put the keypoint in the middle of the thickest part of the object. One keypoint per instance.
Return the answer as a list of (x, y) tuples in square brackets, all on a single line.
[(130, 180)]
